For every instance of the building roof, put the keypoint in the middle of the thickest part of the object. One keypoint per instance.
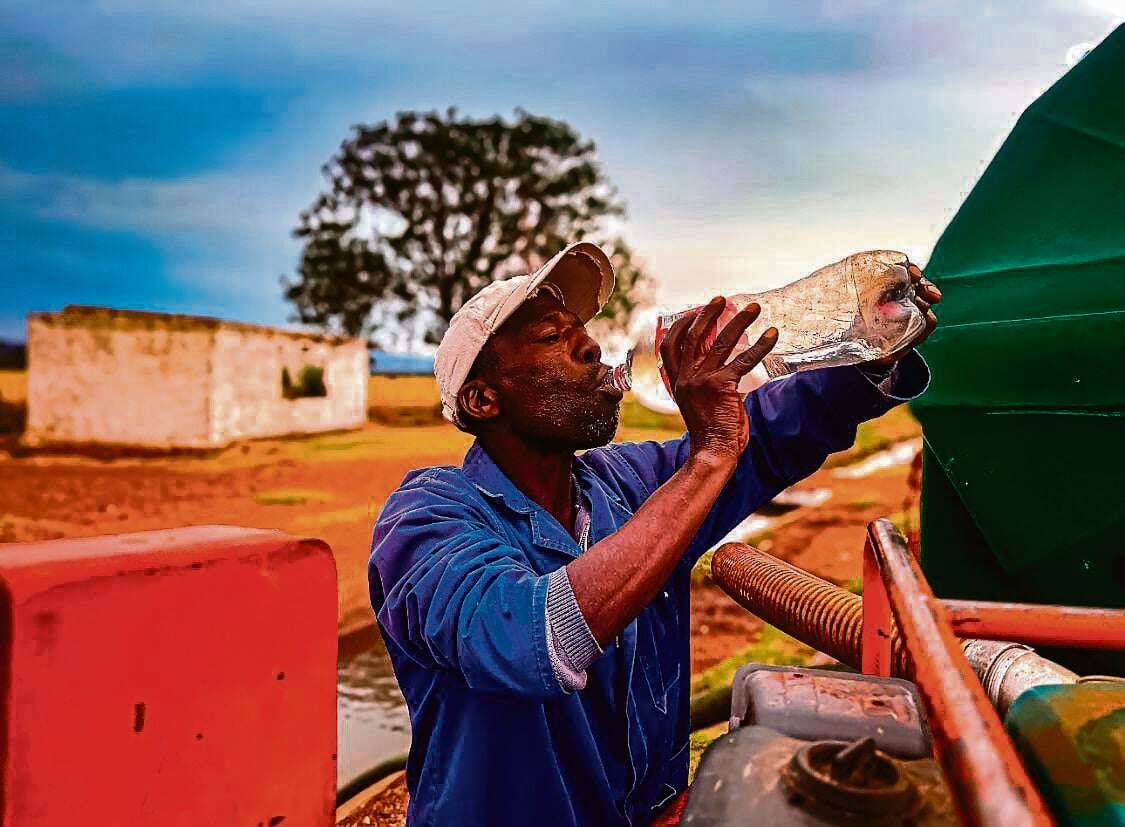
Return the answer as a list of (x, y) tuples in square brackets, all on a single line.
[(90, 316)]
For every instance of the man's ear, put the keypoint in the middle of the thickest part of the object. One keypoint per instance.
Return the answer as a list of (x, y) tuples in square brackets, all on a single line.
[(478, 401)]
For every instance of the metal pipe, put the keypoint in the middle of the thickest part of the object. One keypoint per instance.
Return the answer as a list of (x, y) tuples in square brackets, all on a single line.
[(800, 604), (1007, 670), (986, 778), (1038, 624), (831, 620)]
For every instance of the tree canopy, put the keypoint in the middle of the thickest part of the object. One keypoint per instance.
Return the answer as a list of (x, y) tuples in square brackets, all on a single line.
[(422, 212)]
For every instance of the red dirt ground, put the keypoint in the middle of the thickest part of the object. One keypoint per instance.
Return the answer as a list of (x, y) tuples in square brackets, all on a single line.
[(329, 486)]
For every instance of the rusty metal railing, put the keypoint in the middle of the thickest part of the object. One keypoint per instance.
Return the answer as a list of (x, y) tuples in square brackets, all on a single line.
[(985, 775), (900, 628), (1038, 625)]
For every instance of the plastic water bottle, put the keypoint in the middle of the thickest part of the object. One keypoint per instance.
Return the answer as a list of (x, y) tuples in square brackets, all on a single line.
[(856, 310)]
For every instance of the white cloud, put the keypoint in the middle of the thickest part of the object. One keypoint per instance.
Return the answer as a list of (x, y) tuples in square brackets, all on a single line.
[(214, 204)]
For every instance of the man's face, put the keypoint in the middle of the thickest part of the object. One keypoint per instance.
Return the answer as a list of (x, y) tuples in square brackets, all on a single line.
[(550, 379)]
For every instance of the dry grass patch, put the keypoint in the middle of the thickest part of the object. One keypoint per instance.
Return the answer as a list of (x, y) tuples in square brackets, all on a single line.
[(291, 496), (402, 391), (773, 646)]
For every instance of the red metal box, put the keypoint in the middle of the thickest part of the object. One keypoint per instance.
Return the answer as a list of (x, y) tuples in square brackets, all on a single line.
[(182, 677)]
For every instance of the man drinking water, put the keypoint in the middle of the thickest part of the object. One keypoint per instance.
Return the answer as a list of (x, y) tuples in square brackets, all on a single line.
[(535, 601)]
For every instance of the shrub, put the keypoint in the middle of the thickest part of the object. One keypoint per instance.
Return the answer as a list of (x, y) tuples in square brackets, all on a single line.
[(310, 382)]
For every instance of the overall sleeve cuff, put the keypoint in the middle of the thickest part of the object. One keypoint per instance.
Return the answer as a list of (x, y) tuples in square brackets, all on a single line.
[(570, 644), (907, 379)]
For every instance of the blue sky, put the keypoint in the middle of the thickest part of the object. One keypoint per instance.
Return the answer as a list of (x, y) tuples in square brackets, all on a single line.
[(155, 153)]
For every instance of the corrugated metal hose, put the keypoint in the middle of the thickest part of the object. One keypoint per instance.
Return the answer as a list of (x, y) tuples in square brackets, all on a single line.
[(830, 619)]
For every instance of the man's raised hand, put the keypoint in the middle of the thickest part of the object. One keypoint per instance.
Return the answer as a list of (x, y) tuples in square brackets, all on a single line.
[(704, 386)]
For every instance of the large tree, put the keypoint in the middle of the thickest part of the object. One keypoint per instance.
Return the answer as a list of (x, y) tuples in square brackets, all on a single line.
[(421, 212)]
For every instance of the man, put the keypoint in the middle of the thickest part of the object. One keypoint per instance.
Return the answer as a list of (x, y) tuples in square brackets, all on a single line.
[(535, 602)]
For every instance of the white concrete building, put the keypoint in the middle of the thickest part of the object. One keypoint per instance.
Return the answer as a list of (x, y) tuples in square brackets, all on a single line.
[(163, 381)]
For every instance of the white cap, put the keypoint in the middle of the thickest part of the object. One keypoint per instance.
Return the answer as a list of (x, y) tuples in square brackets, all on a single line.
[(581, 276)]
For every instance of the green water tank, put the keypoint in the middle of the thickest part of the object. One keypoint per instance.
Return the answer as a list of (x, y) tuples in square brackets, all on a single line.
[(1024, 463)]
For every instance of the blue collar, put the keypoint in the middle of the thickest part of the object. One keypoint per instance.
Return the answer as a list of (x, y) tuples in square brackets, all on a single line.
[(607, 512), (480, 469)]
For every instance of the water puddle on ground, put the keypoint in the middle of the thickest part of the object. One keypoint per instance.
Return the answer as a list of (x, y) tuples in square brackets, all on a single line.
[(899, 454), (371, 720)]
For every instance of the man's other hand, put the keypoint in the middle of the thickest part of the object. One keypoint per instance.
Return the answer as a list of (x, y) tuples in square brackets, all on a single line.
[(704, 386), (925, 295)]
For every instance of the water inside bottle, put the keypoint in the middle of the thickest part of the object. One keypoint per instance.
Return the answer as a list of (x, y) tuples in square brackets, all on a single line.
[(855, 310)]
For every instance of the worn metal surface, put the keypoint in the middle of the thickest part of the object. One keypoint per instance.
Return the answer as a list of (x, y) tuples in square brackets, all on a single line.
[(171, 678), (990, 780), (1072, 738), (851, 776), (1007, 670), (984, 772), (878, 629), (745, 777), (815, 705), (1039, 625)]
